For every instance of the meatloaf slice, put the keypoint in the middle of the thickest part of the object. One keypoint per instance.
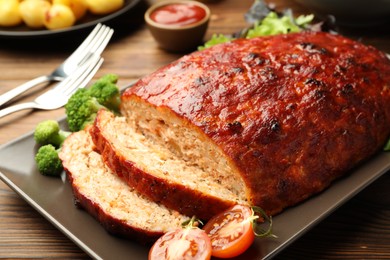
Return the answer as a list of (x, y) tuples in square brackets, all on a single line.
[(274, 119), (120, 209), (158, 173)]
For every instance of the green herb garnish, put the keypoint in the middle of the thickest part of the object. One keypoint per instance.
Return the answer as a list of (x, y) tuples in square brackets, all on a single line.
[(271, 24)]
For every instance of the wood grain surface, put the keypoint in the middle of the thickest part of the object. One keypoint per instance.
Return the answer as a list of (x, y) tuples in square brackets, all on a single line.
[(360, 229)]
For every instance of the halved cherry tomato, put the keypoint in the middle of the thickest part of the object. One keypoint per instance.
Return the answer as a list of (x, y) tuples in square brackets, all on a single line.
[(187, 243), (231, 231)]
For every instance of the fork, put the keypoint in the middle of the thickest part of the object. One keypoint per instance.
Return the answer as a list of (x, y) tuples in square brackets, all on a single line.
[(58, 96), (94, 44)]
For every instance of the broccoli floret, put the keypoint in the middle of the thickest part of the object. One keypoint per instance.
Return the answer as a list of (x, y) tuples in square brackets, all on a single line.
[(50, 136), (49, 132), (106, 92), (84, 104), (48, 161), (81, 110)]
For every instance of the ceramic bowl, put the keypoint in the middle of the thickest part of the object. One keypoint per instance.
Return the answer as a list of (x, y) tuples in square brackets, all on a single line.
[(352, 12), (174, 37)]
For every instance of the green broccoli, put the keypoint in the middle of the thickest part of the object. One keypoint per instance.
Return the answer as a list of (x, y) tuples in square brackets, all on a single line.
[(48, 161), (50, 136), (49, 132), (106, 92), (84, 104), (81, 110)]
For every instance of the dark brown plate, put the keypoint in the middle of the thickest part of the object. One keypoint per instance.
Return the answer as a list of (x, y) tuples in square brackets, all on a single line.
[(89, 21), (18, 170)]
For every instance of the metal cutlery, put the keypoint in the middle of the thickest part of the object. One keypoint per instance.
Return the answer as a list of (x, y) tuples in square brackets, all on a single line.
[(58, 96), (93, 45)]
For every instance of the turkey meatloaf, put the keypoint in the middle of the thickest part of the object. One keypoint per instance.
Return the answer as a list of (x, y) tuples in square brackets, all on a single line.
[(157, 172), (120, 209), (267, 121)]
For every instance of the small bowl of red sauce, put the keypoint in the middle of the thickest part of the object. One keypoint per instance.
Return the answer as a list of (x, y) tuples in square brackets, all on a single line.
[(178, 26)]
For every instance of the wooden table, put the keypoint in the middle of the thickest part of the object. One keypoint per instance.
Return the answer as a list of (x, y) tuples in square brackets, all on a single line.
[(358, 230)]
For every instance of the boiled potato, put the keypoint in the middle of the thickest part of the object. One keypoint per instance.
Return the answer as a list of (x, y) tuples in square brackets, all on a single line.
[(52, 14), (79, 7), (33, 12), (61, 2), (9, 13), (59, 16), (100, 7)]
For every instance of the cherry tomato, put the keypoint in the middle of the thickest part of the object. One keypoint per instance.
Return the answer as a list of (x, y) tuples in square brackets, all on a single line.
[(231, 231), (187, 243)]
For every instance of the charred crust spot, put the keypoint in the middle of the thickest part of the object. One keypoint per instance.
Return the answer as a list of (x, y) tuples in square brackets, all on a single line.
[(199, 81), (283, 186), (319, 93), (235, 127), (314, 82), (312, 48), (269, 132), (350, 61), (323, 51), (347, 89), (307, 45), (339, 70), (275, 126), (237, 70), (183, 64), (315, 71), (291, 106), (259, 61), (254, 59), (292, 66), (256, 153), (365, 66), (366, 80), (250, 56), (268, 73)]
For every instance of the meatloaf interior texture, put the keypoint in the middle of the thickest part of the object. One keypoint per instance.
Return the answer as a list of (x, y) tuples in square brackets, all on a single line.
[(157, 172), (268, 121), (120, 209)]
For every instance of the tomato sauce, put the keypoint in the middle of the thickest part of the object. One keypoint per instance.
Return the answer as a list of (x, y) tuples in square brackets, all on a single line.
[(178, 14)]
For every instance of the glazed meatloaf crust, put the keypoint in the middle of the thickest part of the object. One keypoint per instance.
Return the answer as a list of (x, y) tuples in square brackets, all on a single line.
[(276, 119), (119, 209)]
